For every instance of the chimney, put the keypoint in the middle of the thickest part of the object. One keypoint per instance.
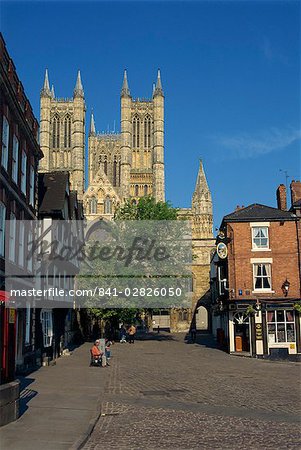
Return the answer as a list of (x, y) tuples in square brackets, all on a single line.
[(295, 192), (281, 197)]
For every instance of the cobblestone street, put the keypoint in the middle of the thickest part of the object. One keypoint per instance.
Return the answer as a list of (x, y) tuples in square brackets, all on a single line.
[(165, 393)]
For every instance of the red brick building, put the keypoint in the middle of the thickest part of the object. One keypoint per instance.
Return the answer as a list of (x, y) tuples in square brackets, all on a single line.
[(19, 156), (255, 274)]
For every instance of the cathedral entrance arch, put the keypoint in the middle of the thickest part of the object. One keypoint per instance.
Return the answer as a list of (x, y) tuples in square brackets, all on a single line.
[(201, 318)]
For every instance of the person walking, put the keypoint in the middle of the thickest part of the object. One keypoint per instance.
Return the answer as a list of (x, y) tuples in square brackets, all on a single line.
[(122, 335), (132, 332)]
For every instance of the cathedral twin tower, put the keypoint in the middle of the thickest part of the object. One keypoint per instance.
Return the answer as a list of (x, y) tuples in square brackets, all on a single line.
[(120, 166)]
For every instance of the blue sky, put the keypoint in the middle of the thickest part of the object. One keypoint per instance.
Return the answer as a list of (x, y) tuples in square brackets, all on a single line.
[(230, 72)]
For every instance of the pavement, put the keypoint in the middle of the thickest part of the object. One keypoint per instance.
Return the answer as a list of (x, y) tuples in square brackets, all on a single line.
[(59, 405), (160, 393)]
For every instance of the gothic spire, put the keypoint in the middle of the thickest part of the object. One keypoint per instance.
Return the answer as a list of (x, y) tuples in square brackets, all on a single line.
[(46, 88), (125, 91), (92, 126), (52, 92), (201, 182), (79, 90), (158, 88)]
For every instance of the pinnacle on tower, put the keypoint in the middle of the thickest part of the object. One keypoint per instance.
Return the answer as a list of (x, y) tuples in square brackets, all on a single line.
[(92, 126), (79, 90), (125, 91), (52, 92), (201, 182), (158, 88), (46, 88)]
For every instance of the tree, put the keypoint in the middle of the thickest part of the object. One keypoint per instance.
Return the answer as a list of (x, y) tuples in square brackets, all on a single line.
[(145, 209)]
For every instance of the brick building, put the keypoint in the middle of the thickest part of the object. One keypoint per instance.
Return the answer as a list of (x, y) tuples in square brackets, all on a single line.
[(19, 157), (255, 278)]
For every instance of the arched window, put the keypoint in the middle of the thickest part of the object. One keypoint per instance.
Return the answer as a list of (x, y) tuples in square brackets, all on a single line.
[(136, 190), (105, 166), (67, 132), (136, 132), (93, 206), (108, 206), (56, 132), (119, 174), (145, 190), (115, 172), (147, 132)]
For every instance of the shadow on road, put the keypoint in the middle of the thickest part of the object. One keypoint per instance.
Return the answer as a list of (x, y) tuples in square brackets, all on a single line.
[(155, 336), (26, 394), (205, 340)]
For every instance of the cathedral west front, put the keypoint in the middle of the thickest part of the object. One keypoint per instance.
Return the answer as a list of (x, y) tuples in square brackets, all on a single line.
[(121, 166)]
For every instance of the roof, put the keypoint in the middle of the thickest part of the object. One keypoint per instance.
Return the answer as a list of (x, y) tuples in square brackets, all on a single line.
[(52, 191), (258, 212)]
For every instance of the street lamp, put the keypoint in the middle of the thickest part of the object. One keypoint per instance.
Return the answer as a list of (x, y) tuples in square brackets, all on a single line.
[(285, 287)]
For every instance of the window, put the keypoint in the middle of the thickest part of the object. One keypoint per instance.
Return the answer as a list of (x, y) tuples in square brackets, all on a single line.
[(30, 251), (105, 166), (262, 276), (115, 173), (15, 160), (23, 172), (67, 132), (281, 326), (147, 132), (21, 243), (27, 323), (93, 206), (2, 228), (5, 141), (47, 327), (108, 206), (145, 189), (12, 238), (56, 132), (31, 186), (260, 237), (136, 190), (136, 132)]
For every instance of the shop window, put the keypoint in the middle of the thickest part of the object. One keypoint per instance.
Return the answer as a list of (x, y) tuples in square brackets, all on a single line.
[(281, 326), (47, 327)]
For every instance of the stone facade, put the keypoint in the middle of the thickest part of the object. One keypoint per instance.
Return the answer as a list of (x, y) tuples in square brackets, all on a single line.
[(124, 165), (62, 133), (129, 164)]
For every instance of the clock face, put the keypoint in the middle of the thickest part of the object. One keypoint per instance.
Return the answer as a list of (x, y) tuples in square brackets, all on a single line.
[(222, 250)]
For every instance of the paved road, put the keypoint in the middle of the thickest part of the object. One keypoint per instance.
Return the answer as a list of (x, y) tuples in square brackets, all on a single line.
[(167, 394)]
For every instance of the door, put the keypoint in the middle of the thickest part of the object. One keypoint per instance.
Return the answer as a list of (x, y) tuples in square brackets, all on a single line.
[(201, 318)]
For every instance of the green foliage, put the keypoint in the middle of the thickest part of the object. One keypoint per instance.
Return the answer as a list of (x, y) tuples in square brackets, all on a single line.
[(297, 307), (146, 209)]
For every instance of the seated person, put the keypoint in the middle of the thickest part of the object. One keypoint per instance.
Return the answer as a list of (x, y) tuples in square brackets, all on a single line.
[(96, 353)]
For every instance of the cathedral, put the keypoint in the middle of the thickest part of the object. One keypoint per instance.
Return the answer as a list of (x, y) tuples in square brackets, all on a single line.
[(125, 165)]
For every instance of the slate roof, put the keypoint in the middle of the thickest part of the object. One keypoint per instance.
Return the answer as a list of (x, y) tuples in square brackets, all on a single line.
[(259, 212), (52, 191)]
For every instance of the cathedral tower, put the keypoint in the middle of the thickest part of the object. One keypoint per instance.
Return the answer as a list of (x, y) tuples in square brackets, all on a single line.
[(62, 133)]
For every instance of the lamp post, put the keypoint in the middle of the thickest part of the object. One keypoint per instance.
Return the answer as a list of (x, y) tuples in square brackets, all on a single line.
[(285, 287)]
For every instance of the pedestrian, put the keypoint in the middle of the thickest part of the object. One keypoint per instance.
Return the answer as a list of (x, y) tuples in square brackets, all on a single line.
[(122, 335), (158, 329), (108, 344), (193, 334), (96, 354), (132, 332)]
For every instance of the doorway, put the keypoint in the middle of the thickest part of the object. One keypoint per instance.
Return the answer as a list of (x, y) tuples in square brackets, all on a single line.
[(241, 332)]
